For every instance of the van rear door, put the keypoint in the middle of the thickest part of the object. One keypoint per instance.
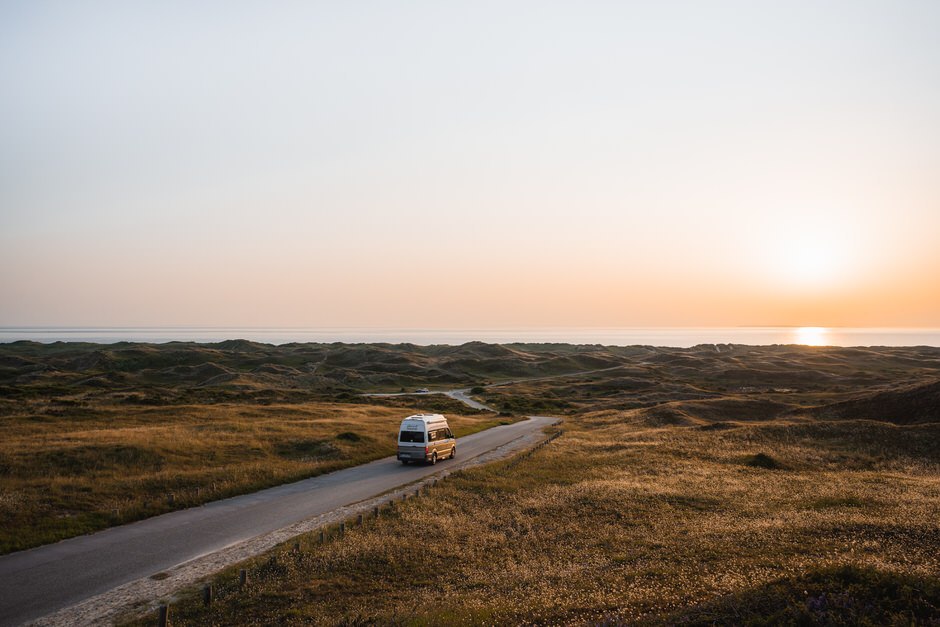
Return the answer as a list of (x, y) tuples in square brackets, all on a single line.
[(411, 442)]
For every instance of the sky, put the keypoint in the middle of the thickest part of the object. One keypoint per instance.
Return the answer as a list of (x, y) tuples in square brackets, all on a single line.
[(470, 164)]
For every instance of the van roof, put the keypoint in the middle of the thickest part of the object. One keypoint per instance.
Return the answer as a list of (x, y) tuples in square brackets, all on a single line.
[(427, 417)]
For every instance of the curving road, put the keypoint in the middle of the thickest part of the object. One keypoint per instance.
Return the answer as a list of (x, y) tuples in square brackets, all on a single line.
[(464, 397), (40, 581)]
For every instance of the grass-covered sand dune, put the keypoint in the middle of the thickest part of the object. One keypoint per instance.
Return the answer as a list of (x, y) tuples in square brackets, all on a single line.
[(718, 483), (792, 376), (619, 523), (239, 370), (96, 435)]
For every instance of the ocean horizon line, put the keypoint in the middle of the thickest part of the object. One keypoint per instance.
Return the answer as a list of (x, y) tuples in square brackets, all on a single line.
[(674, 336)]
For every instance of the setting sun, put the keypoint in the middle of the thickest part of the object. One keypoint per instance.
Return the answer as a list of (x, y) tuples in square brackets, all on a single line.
[(812, 263), (810, 252)]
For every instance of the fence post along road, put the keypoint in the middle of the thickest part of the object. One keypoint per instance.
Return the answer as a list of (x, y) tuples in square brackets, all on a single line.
[(44, 580)]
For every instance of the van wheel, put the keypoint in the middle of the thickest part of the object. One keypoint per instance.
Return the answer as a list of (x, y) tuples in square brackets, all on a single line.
[(433, 458), (453, 452)]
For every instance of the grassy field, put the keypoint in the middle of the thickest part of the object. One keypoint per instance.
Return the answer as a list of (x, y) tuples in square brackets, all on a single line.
[(789, 376), (727, 484), (785, 521), (97, 435), (71, 468)]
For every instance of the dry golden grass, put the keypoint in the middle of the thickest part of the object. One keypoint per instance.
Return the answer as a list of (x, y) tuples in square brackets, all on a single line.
[(616, 522), (77, 469), (692, 485)]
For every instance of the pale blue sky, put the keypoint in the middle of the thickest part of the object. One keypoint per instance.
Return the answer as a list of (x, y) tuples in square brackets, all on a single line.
[(469, 164)]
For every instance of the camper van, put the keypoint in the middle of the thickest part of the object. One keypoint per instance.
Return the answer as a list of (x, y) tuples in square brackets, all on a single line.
[(425, 438)]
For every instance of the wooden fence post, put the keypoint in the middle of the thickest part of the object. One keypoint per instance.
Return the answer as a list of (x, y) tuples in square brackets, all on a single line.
[(207, 594), (164, 616)]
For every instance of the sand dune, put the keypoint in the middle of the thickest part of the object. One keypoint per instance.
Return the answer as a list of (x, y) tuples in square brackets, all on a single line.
[(909, 405)]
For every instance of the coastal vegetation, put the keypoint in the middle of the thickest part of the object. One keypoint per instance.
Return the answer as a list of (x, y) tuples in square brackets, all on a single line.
[(68, 470), (711, 484), (619, 522)]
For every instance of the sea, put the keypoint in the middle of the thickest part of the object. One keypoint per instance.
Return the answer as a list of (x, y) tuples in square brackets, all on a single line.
[(681, 337)]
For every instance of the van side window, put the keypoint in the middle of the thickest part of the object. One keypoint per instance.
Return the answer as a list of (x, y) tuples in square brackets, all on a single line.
[(448, 433)]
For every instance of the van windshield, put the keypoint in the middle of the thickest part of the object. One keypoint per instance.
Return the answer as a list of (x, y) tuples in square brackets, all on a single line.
[(411, 436)]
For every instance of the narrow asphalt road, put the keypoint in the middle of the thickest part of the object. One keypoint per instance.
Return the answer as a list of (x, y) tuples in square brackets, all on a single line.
[(39, 581), (464, 397)]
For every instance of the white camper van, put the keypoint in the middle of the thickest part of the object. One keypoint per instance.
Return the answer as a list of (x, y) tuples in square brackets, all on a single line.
[(425, 438)]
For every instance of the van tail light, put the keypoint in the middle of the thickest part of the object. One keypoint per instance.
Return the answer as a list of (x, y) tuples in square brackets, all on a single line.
[(425, 450)]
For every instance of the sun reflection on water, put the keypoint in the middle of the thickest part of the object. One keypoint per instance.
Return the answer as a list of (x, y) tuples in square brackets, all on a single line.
[(811, 336)]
